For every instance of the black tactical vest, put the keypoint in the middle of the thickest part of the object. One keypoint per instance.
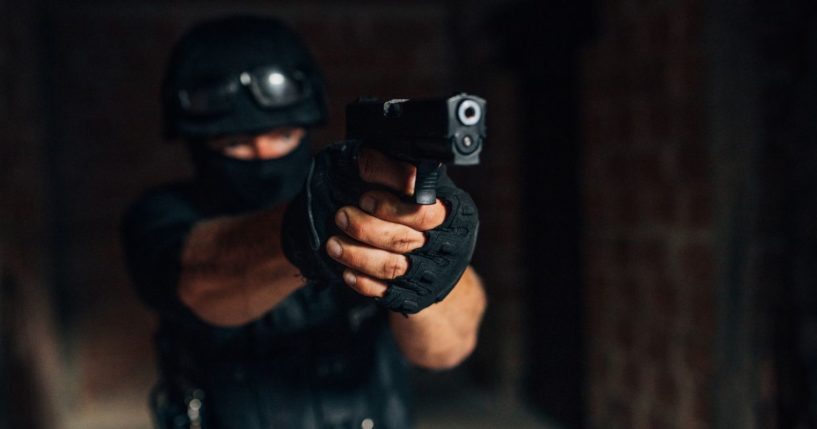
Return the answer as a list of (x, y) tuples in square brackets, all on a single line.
[(323, 358)]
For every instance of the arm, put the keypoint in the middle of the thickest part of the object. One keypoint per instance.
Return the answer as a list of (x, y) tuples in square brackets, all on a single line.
[(233, 269), (443, 335), (377, 237)]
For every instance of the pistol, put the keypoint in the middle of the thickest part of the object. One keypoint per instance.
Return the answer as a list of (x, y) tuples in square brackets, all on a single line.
[(425, 132)]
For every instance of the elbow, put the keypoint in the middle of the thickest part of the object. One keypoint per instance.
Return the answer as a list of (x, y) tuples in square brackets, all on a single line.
[(189, 295), (445, 359), (192, 295), (208, 306)]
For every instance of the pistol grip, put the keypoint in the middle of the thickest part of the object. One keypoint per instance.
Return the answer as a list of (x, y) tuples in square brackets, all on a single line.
[(425, 185)]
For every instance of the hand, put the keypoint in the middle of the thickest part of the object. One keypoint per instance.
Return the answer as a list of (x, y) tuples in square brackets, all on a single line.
[(406, 255), (383, 228)]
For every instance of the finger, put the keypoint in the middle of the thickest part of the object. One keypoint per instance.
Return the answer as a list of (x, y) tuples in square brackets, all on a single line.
[(363, 227), (376, 167), (365, 285), (361, 257), (391, 208)]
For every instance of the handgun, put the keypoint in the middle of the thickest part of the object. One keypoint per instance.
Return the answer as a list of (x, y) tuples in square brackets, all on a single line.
[(424, 132)]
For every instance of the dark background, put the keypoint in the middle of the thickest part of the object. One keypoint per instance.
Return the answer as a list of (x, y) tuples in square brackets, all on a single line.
[(648, 196)]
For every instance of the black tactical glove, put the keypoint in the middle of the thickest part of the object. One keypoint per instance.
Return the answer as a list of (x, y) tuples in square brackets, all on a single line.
[(333, 182)]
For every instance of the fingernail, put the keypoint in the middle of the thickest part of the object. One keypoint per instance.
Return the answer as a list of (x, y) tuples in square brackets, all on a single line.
[(342, 220), (333, 248), (367, 204), (349, 278)]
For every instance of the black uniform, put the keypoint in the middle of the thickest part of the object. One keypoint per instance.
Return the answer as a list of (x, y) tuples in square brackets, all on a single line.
[(323, 358)]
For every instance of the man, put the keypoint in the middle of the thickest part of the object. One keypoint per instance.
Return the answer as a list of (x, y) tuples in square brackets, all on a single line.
[(244, 340)]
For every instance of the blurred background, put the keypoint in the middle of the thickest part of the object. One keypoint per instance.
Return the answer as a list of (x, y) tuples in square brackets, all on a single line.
[(648, 196)]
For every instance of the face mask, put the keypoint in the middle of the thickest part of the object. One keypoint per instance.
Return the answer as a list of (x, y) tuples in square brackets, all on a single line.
[(242, 185)]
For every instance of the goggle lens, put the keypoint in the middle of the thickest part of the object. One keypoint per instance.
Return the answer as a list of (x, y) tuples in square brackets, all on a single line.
[(271, 87)]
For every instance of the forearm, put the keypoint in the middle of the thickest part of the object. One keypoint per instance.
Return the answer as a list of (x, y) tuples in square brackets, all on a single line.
[(443, 335), (233, 269)]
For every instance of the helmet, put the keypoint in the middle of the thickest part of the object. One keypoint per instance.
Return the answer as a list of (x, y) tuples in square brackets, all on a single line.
[(240, 75)]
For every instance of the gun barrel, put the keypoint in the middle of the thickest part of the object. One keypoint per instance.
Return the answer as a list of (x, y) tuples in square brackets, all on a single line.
[(425, 132), (469, 112)]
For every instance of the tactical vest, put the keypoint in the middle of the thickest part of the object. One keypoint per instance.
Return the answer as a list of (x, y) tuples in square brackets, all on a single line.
[(323, 358)]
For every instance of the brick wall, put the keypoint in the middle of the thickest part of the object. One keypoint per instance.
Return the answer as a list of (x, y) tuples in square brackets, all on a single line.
[(649, 233), (29, 347)]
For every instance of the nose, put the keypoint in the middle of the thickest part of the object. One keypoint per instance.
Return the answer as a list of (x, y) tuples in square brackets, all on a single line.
[(261, 149)]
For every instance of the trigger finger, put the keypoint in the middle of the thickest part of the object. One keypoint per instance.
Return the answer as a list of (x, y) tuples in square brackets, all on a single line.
[(391, 208)]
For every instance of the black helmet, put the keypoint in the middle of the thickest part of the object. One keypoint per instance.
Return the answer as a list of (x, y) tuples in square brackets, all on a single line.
[(240, 75)]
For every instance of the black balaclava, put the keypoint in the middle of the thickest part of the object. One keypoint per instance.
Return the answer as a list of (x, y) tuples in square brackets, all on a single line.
[(218, 51), (243, 185)]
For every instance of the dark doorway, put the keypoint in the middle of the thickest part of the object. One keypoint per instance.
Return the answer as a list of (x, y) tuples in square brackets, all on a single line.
[(541, 42)]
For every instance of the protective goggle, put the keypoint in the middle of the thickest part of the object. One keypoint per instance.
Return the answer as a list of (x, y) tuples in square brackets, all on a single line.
[(271, 87)]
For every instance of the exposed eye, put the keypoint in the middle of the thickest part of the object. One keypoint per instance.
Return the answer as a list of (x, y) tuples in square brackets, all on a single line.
[(286, 133), (237, 141)]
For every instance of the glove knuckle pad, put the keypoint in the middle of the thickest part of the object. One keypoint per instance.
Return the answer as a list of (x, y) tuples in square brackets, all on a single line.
[(437, 266)]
